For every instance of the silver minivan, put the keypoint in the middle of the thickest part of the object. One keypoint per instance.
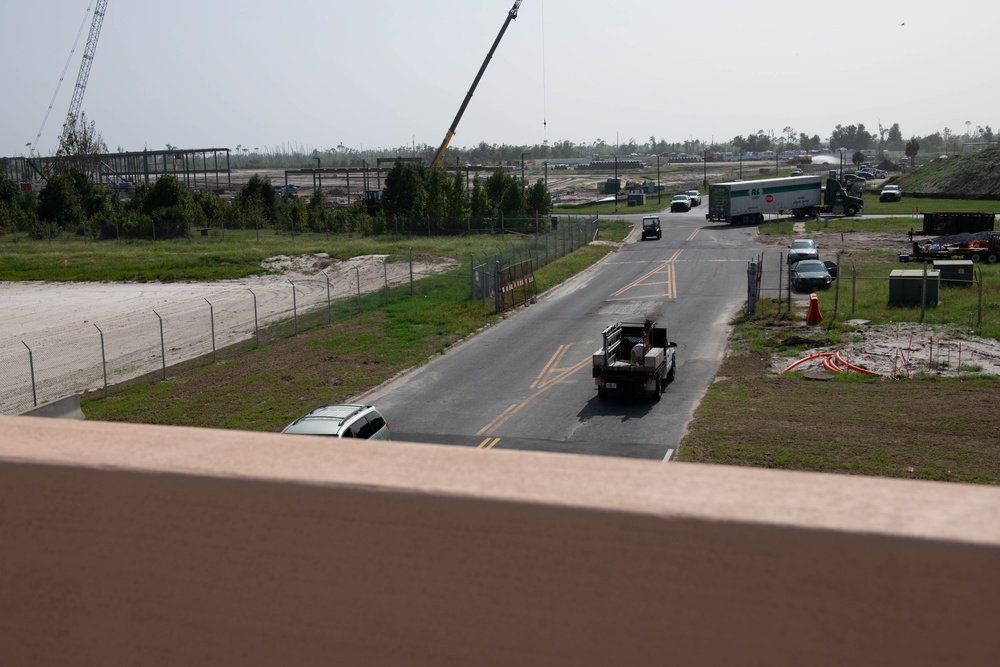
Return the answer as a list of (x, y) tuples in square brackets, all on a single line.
[(342, 421)]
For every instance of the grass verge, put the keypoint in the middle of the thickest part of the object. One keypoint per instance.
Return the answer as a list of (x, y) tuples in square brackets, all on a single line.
[(263, 389), (924, 428)]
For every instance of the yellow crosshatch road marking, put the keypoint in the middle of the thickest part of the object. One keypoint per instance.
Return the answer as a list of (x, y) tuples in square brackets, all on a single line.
[(671, 282), (556, 375), (553, 361), (694, 234)]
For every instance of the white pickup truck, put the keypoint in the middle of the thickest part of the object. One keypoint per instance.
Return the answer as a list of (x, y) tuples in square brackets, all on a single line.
[(890, 193)]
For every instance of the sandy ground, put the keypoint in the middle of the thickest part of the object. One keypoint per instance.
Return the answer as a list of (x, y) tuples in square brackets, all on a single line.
[(57, 328)]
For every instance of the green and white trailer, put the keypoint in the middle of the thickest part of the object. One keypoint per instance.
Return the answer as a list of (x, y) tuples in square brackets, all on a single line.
[(746, 202)]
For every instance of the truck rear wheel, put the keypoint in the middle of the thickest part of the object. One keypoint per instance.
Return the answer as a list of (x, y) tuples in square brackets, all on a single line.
[(992, 258), (975, 257), (657, 391)]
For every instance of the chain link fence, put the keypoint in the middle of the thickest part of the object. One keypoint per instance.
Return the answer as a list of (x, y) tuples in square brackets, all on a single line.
[(506, 277), (230, 319), (962, 289), (227, 320)]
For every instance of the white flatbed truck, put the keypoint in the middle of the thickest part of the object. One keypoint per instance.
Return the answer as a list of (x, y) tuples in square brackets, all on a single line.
[(636, 358)]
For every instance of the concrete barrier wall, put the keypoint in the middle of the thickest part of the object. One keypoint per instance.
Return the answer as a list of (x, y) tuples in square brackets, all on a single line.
[(63, 408), (144, 545)]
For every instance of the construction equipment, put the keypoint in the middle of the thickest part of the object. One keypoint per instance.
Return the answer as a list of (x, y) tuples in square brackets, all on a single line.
[(85, 63), (81, 79), (511, 15)]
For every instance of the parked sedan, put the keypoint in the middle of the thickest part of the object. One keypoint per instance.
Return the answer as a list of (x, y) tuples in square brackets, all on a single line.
[(809, 274), (680, 203), (802, 249)]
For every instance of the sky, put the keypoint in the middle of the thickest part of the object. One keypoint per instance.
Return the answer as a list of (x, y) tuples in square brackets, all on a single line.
[(307, 74)]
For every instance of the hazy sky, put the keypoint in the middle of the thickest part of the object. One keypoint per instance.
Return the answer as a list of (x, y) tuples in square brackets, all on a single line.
[(307, 74)]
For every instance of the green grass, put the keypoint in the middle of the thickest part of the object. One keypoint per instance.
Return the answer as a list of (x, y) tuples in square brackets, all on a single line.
[(864, 294), (263, 388), (851, 424), (230, 255)]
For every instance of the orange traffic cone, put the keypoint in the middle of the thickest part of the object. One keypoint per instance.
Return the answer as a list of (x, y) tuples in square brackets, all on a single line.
[(814, 316)]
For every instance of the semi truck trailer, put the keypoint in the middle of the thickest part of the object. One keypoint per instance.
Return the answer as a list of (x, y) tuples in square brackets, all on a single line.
[(746, 202)]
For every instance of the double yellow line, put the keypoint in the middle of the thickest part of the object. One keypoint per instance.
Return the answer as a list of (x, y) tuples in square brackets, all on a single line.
[(671, 281), (549, 376)]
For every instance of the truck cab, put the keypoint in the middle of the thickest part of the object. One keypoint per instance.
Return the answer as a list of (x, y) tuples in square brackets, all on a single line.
[(836, 199)]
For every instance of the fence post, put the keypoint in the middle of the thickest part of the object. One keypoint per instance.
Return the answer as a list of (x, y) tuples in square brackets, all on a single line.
[(163, 347), (980, 323), (295, 309), (923, 293), (385, 278), (329, 304), (256, 329), (411, 271), (752, 288), (498, 295), (357, 272), (31, 365), (211, 315), (854, 285), (781, 283), (836, 290), (104, 361)]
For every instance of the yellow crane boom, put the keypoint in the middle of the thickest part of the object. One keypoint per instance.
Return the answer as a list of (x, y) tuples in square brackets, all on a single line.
[(511, 15)]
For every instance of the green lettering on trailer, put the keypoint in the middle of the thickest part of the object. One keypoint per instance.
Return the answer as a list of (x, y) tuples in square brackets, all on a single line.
[(799, 187)]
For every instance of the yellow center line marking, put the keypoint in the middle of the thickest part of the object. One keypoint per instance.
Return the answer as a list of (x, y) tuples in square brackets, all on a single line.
[(694, 234), (491, 428), (553, 361), (639, 280), (487, 444), (493, 424)]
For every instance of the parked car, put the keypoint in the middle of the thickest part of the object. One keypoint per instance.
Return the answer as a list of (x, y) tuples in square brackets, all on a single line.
[(651, 226), (802, 249), (680, 203), (890, 193), (796, 172), (695, 197), (809, 274), (850, 178), (342, 421)]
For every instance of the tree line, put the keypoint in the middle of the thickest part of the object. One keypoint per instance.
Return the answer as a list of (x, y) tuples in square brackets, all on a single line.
[(416, 199)]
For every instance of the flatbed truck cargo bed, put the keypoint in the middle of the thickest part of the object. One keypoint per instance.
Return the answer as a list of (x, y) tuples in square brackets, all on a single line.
[(634, 357)]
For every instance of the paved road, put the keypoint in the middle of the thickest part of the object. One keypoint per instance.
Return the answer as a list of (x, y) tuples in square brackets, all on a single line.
[(526, 383)]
